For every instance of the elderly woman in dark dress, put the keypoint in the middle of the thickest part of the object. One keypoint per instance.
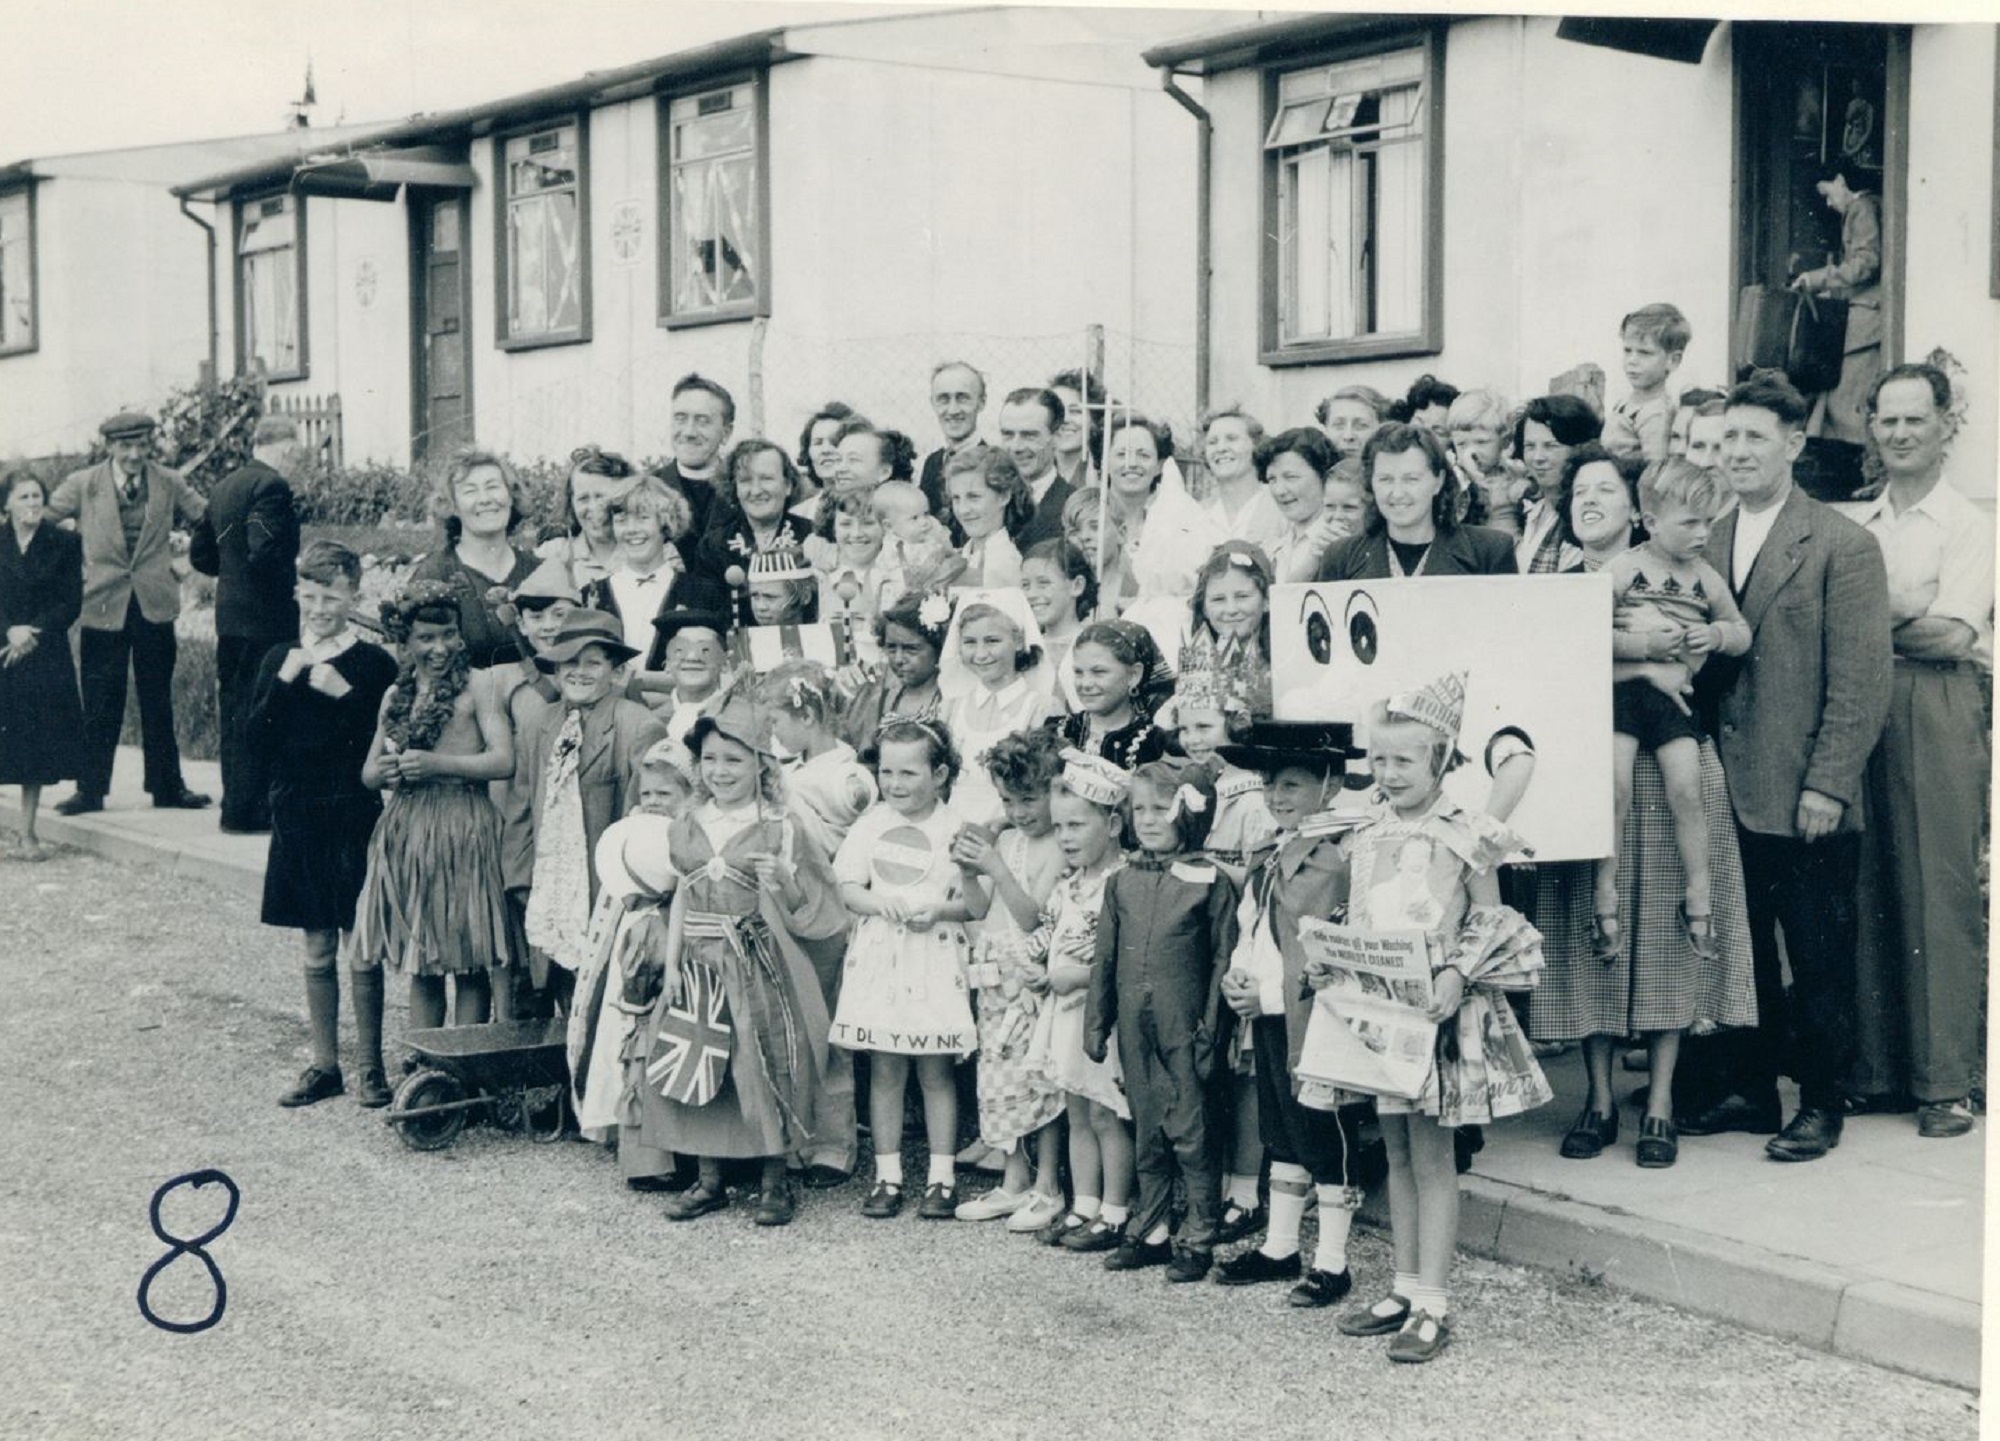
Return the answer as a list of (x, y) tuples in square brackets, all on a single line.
[(479, 503), (1657, 988), (41, 596)]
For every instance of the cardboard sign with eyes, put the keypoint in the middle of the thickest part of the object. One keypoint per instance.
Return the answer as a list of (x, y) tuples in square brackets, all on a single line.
[(1537, 650)]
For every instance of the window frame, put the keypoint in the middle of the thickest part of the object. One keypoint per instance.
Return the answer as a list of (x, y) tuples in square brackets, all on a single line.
[(34, 340), (760, 108), (244, 358), (503, 338), (1428, 338)]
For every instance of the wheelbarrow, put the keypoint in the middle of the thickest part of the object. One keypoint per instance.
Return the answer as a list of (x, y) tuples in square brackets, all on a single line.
[(515, 1073)]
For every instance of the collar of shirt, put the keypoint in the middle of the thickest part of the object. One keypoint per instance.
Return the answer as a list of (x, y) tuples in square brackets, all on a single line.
[(661, 574), (1040, 488), (319, 652), (982, 697)]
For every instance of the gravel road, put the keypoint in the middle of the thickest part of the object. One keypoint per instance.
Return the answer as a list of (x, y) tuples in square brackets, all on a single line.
[(502, 1289)]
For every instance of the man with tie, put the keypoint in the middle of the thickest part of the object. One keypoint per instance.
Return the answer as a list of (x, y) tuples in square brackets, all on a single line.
[(249, 541), (1796, 719), (1029, 420), (125, 507), (958, 394)]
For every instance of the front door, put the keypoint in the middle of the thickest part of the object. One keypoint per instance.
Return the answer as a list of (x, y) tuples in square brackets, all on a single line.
[(441, 340)]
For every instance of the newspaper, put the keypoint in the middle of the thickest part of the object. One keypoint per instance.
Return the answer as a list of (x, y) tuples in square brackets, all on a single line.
[(1368, 1031)]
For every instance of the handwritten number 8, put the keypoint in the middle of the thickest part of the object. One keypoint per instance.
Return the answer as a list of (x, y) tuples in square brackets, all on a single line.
[(179, 1246)]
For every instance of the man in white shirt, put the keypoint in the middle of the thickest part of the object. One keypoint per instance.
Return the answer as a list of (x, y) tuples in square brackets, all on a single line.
[(1029, 419), (1921, 961)]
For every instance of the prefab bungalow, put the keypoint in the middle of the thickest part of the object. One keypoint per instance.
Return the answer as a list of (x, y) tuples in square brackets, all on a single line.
[(1483, 198), (103, 281), (805, 213)]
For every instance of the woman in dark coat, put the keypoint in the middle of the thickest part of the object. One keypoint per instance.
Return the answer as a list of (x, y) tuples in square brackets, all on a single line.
[(1414, 530), (41, 595)]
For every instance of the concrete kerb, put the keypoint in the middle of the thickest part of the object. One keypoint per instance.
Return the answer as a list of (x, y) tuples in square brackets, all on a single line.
[(1880, 1322)]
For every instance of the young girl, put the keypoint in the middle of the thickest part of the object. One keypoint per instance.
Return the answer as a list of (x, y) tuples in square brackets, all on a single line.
[(1018, 1100), (1484, 1067), (856, 579), (1000, 701), (433, 903), (312, 713), (1168, 929), (747, 884), (911, 636), (782, 588), (1231, 633), (1120, 678), (588, 550), (903, 993), (1086, 808), (1061, 592), (1205, 705), (992, 505)]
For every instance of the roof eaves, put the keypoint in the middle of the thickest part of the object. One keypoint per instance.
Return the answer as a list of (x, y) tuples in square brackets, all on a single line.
[(1261, 44)]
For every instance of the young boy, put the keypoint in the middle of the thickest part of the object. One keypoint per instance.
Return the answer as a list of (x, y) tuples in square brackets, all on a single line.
[(1672, 610), (695, 657), (312, 712), (1654, 338), (1477, 427), (582, 762), (1306, 875)]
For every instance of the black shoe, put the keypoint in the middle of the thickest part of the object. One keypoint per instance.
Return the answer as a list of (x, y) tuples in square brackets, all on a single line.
[(1238, 1224), (315, 1085), (80, 805), (1889, 1105), (1099, 1235), (1466, 1142), (1134, 1255), (776, 1206), (182, 801), (884, 1202), (1733, 1113), (1321, 1288), (1188, 1264), (244, 828), (698, 1203), (940, 1203), (1810, 1135), (373, 1092), (826, 1178), (1942, 1120), (1590, 1135), (1254, 1267), (1659, 1144)]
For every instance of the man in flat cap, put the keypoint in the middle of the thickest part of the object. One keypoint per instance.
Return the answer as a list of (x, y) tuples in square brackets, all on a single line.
[(125, 509)]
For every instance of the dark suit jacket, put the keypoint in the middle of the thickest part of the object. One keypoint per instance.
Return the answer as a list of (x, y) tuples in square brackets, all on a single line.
[(1463, 550), (113, 575), (1047, 522), (616, 734), (1804, 707), (249, 541), (703, 499), (41, 586)]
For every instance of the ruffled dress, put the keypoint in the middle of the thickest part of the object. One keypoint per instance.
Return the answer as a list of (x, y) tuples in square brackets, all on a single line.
[(1070, 935), (1017, 1095), (1409, 873)]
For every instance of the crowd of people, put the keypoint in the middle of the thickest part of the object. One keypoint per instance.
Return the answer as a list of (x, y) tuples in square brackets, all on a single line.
[(785, 774)]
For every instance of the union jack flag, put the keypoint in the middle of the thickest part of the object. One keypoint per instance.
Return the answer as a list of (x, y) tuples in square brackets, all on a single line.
[(691, 1054)]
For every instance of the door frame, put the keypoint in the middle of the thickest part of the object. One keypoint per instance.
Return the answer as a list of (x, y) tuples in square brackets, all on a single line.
[(418, 200), (1895, 176)]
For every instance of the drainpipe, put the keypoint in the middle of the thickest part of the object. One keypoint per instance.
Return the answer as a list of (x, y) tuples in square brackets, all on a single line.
[(214, 324), (1204, 146)]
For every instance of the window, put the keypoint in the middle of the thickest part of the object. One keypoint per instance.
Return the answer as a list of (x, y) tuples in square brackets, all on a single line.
[(714, 260), (1352, 254), (544, 269), (17, 272), (270, 299)]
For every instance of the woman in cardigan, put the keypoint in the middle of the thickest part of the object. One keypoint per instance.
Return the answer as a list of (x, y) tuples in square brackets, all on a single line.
[(41, 596), (479, 503), (1415, 528)]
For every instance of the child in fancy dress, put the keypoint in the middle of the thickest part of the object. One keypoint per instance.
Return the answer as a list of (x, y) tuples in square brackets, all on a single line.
[(1166, 934), (1483, 1067), (312, 713), (903, 993), (1019, 1102), (434, 904), (1204, 706), (1121, 679), (1088, 810), (1000, 701), (727, 1062)]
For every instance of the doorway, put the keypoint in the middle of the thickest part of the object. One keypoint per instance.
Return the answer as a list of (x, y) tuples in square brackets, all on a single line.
[(440, 338)]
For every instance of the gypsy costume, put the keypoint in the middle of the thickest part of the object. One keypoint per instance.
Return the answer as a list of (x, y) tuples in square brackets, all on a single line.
[(728, 1060), (1017, 1096)]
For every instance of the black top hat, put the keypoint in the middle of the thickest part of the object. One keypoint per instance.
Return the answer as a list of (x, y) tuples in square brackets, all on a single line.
[(693, 601), (1272, 745)]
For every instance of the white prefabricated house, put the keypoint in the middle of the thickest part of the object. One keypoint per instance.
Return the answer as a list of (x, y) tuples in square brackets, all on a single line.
[(104, 299), (1484, 197), (805, 213)]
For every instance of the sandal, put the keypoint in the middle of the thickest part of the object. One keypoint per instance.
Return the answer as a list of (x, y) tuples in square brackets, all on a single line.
[(1700, 933), (1607, 941)]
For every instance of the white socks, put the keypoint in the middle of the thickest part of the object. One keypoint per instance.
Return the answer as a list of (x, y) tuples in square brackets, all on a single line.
[(940, 1172), (1157, 1236), (1115, 1215), (1242, 1191), (1087, 1207), (1434, 1300), (1335, 1220), (889, 1168), (1288, 1209)]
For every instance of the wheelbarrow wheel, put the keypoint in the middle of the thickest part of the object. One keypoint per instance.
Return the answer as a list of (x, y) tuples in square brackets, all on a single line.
[(428, 1088)]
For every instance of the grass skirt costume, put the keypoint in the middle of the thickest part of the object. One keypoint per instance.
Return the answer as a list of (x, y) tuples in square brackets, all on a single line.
[(1483, 1067), (434, 903), (1017, 1096), (1071, 933), (727, 1063)]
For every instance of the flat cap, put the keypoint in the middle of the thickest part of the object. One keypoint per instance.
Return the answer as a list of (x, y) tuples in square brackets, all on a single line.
[(127, 424)]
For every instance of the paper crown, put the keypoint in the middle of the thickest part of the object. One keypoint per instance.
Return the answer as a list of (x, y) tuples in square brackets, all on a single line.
[(1439, 705), (1224, 679), (1094, 778), (780, 562)]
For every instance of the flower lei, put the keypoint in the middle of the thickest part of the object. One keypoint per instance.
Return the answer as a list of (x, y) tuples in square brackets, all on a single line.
[(418, 726)]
